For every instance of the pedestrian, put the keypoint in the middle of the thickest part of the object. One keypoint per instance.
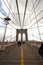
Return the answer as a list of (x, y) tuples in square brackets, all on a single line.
[(19, 43), (41, 50)]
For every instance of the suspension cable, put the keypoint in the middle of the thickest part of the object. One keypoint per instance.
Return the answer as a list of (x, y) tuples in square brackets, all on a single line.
[(11, 9), (9, 37), (35, 6), (8, 9), (25, 12), (4, 27), (36, 21), (32, 8), (31, 26), (9, 23), (35, 36), (18, 12), (34, 17), (9, 6), (36, 27)]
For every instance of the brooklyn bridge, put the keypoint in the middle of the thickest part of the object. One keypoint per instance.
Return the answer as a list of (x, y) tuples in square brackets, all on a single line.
[(21, 32)]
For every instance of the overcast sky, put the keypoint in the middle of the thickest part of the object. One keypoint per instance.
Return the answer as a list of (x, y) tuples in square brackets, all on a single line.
[(34, 13)]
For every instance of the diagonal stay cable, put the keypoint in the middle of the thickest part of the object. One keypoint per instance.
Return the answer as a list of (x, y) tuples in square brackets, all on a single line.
[(9, 6), (25, 12), (31, 26), (4, 27), (5, 30), (9, 37), (9, 23), (34, 7), (36, 20), (35, 36), (10, 12), (36, 27), (18, 12), (34, 17), (8, 9)]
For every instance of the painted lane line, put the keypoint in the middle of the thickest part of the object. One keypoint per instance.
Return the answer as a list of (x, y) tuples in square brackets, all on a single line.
[(22, 59)]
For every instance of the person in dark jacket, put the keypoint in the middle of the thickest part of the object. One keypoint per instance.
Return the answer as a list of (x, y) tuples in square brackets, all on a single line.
[(19, 43), (41, 50)]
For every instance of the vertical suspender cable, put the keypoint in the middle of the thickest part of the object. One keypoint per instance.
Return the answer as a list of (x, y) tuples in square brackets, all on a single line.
[(6, 27), (25, 12), (18, 12), (11, 9), (10, 12), (36, 21)]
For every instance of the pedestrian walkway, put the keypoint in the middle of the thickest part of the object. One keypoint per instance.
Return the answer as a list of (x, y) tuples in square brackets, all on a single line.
[(26, 54)]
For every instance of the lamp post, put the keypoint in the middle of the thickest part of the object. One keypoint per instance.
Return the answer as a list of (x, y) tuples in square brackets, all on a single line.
[(7, 19)]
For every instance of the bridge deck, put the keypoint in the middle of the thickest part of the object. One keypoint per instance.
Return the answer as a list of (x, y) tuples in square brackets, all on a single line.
[(26, 54)]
